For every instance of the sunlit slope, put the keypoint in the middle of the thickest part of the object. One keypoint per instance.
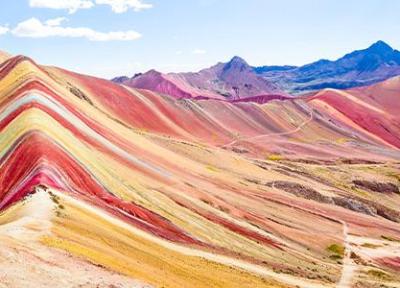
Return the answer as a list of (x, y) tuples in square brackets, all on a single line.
[(370, 110), (28, 263), (289, 127), (162, 191)]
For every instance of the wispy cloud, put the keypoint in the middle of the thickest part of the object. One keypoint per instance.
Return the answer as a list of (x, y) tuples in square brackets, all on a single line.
[(199, 51), (117, 6), (34, 28), (121, 6), (56, 21), (4, 30), (71, 5)]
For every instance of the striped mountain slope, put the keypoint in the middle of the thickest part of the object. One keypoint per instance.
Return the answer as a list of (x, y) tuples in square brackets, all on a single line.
[(141, 190)]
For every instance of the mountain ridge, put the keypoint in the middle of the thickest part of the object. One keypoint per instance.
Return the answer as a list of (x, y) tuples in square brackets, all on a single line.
[(233, 80), (376, 63), (236, 79)]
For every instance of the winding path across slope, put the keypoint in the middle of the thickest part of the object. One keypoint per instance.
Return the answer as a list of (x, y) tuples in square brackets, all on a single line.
[(294, 130), (348, 265)]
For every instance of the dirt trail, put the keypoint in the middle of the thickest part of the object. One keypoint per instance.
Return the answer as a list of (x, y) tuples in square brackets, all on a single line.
[(295, 130), (26, 262), (36, 212), (348, 266)]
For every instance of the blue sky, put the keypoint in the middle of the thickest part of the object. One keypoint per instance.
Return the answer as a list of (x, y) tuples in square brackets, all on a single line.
[(186, 35)]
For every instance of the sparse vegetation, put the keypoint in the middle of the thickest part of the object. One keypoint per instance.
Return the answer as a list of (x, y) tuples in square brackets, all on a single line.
[(379, 274), (56, 200), (337, 250), (335, 257), (223, 209), (341, 140), (274, 157), (370, 245), (394, 175), (206, 201), (212, 168), (78, 93), (389, 238)]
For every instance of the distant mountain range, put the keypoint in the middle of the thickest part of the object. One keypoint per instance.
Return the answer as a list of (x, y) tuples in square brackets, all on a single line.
[(359, 68), (236, 80), (233, 80)]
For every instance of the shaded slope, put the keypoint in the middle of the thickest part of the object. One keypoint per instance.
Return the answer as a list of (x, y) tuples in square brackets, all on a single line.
[(359, 68)]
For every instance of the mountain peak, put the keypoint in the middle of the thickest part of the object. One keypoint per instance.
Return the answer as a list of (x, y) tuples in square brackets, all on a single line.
[(238, 60), (380, 46), (153, 72), (120, 79), (237, 63)]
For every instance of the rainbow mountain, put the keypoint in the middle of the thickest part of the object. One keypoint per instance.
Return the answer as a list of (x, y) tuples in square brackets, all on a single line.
[(103, 185)]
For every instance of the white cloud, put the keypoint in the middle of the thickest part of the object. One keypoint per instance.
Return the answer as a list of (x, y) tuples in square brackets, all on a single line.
[(4, 30), (56, 21), (199, 51), (118, 6), (71, 5), (121, 6), (34, 28)]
